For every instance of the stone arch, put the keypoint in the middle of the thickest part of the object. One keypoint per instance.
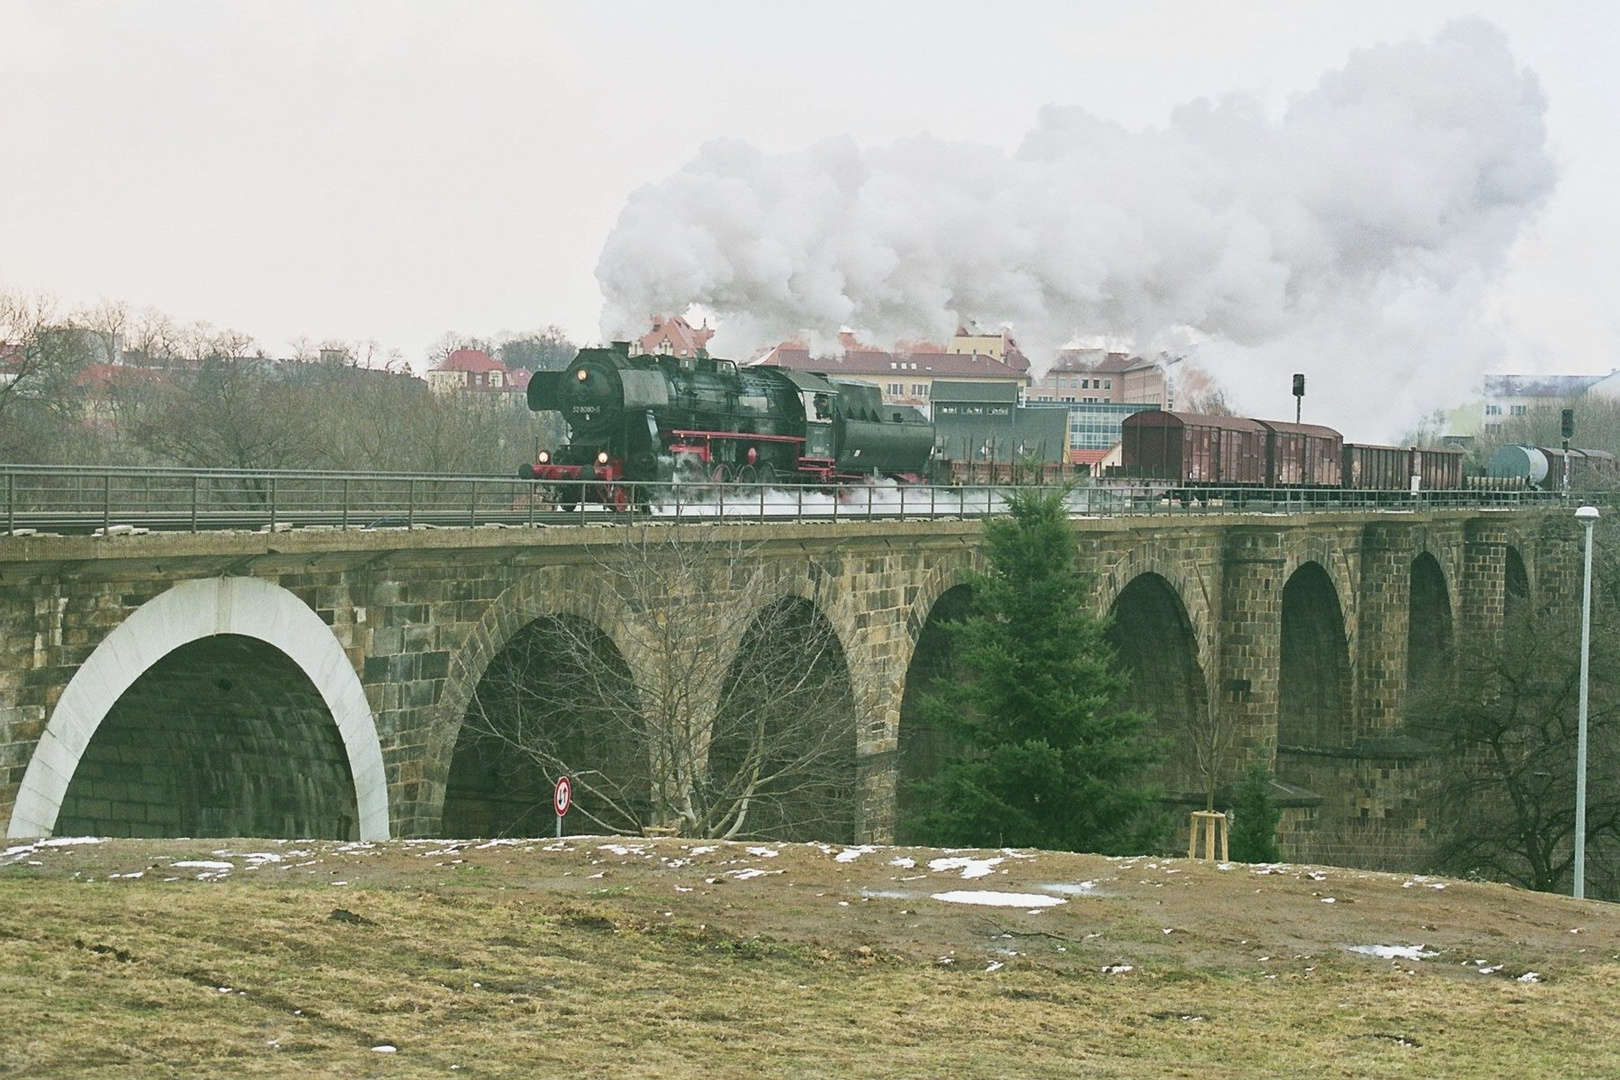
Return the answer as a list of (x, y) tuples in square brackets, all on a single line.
[(1429, 624), (921, 749), (1191, 591), (788, 702), (1328, 554), (1155, 642), (1313, 687), (1515, 586), (188, 612), (550, 592)]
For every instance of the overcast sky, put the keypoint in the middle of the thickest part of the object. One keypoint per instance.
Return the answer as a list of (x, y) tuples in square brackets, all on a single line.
[(397, 170)]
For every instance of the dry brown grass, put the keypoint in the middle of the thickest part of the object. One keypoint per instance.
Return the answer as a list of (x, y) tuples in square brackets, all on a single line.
[(519, 961)]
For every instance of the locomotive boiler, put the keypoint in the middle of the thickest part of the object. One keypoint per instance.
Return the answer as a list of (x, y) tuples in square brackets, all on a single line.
[(654, 418)]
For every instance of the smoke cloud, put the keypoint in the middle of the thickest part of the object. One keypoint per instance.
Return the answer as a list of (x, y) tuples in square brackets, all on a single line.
[(1354, 238)]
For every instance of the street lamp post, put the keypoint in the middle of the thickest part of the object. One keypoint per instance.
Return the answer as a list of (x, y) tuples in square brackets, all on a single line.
[(1587, 516)]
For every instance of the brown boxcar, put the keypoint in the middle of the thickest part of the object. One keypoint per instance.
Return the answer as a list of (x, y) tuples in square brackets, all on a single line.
[(1440, 467), (1192, 449), (1376, 468), (1302, 455)]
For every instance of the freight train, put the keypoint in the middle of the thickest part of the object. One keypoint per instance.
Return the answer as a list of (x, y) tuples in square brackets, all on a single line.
[(1194, 451), (648, 419), (653, 418)]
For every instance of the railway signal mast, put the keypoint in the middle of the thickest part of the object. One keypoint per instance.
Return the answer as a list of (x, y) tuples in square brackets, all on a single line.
[(1567, 422)]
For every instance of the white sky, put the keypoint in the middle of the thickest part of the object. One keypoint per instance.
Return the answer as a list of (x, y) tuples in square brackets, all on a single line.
[(396, 170)]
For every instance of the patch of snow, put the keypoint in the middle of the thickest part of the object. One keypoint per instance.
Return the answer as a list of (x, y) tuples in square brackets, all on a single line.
[(751, 872), (622, 849), (203, 864), (995, 965), (886, 894), (970, 867), (1530, 977), (850, 854), (1393, 952), (70, 841), (1117, 969), (705, 849), (988, 898), (1071, 888), (1329, 900), (902, 862), (384, 1048), (770, 853)]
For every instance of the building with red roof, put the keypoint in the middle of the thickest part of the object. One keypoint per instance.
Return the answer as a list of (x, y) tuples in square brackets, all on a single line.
[(674, 336), (906, 376), (473, 371)]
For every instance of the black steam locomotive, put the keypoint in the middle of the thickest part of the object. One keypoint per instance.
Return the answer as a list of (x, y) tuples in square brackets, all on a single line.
[(656, 419)]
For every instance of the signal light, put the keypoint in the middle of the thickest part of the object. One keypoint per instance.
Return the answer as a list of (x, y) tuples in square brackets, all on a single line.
[(1568, 424), (545, 457), (601, 457)]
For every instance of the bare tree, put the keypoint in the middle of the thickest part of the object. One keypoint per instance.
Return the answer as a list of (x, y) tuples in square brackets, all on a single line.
[(237, 413), (1209, 750), (1505, 731), (742, 724)]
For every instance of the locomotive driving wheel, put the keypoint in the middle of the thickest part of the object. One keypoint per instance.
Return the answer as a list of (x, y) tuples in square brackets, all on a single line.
[(764, 473)]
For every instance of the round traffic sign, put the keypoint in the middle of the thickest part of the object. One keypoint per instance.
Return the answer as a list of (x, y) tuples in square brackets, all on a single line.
[(563, 796)]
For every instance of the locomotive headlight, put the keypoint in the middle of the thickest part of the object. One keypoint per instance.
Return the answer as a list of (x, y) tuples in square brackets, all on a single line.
[(581, 375), (601, 457), (545, 457)]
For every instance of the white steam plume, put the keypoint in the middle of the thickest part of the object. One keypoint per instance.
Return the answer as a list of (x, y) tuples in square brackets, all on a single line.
[(1353, 239)]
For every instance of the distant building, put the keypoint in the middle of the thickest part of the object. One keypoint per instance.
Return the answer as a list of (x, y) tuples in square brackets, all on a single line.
[(674, 336), (904, 377), (969, 340), (1097, 375), (1507, 396), (473, 371)]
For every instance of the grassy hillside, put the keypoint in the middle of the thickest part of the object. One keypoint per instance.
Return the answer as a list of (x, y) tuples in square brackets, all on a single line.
[(671, 958)]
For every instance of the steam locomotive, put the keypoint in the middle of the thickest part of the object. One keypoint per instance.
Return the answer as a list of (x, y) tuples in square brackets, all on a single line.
[(655, 418)]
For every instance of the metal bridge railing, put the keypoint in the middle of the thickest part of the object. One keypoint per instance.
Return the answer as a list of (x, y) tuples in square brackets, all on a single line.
[(69, 499)]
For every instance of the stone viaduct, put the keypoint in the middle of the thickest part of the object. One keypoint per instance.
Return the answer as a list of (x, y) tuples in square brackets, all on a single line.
[(314, 682)]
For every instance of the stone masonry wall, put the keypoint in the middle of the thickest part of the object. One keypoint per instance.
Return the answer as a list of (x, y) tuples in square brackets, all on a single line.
[(420, 613)]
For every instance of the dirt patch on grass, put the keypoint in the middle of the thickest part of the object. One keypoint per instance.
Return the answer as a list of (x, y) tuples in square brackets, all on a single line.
[(671, 957)]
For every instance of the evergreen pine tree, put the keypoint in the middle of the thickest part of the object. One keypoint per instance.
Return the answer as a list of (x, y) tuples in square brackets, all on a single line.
[(1255, 817), (1048, 760)]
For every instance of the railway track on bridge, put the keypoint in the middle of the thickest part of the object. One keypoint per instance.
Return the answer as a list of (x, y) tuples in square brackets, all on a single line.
[(109, 500)]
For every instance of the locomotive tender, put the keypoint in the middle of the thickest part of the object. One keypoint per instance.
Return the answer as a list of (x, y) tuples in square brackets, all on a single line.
[(655, 418)]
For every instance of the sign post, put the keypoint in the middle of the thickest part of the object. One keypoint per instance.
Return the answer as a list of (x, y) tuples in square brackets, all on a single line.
[(562, 798)]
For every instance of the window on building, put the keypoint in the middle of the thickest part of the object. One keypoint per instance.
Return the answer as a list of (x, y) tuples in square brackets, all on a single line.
[(919, 389), (1493, 410), (1108, 384), (1519, 410), (896, 389)]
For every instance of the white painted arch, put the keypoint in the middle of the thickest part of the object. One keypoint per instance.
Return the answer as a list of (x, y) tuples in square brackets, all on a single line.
[(189, 611)]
